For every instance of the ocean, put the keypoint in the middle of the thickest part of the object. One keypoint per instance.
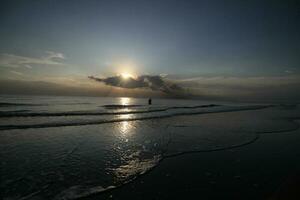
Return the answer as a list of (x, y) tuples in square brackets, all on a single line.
[(55, 147)]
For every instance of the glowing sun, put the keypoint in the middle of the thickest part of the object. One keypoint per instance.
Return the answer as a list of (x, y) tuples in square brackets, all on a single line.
[(126, 75)]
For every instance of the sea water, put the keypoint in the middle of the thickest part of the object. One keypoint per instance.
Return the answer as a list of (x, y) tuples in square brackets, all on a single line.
[(73, 147)]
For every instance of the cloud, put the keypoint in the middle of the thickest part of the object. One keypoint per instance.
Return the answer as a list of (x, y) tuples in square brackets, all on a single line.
[(244, 88), (156, 83), (15, 61), (28, 66), (52, 55), (240, 82), (16, 73), (163, 75)]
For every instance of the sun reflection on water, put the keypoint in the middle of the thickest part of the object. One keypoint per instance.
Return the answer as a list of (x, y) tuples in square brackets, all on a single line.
[(125, 127), (125, 101)]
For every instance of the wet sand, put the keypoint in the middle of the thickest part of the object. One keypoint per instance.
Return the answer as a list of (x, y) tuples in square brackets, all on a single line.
[(268, 169)]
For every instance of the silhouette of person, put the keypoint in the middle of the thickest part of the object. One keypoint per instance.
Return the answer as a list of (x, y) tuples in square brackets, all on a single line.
[(149, 101)]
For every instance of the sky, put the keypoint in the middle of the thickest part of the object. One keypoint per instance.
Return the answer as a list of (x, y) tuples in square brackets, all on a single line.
[(209, 48)]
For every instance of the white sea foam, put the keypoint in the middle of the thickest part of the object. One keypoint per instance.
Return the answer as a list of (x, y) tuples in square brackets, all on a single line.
[(79, 191)]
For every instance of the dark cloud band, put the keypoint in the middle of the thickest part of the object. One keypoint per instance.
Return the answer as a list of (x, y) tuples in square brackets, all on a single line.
[(156, 83)]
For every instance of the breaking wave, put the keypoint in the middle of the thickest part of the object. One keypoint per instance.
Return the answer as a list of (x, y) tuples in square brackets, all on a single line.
[(120, 116)]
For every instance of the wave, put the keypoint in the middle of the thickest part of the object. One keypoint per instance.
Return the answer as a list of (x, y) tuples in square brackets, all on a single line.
[(162, 115), (144, 166), (138, 169), (78, 192), (5, 104), (87, 192), (95, 113), (118, 106), (11, 112)]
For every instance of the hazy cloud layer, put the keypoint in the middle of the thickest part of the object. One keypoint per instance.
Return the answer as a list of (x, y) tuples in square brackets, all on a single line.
[(156, 83), (259, 89), (16, 73), (15, 61), (244, 88)]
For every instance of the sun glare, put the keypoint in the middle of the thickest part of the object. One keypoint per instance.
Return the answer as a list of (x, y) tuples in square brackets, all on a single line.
[(126, 75), (124, 101)]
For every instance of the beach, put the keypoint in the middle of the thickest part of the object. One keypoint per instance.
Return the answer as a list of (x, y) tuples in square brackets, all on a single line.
[(265, 169), (150, 100), (121, 148)]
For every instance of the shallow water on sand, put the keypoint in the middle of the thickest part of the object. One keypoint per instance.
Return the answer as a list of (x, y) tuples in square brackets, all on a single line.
[(67, 148)]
